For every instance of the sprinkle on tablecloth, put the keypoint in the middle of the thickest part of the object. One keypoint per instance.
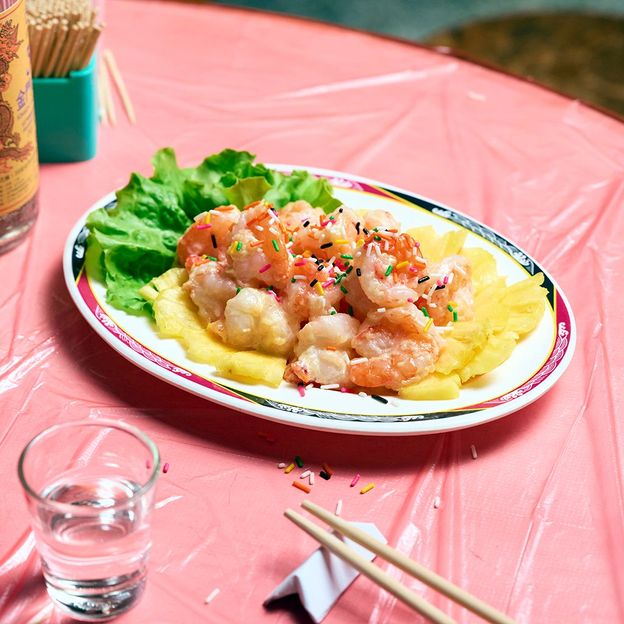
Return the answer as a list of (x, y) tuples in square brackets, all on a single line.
[(212, 595), (367, 488)]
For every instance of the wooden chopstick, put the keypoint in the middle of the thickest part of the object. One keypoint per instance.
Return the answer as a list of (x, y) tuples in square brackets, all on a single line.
[(370, 570), (444, 586)]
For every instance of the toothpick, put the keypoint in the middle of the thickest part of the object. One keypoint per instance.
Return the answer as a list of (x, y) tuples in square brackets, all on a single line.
[(120, 84)]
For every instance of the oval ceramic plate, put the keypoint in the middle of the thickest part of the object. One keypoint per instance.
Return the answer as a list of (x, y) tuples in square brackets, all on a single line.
[(535, 365)]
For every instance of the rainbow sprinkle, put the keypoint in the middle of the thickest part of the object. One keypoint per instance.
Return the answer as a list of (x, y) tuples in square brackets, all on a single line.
[(427, 325), (367, 488), (388, 270), (275, 245), (355, 480), (301, 486), (213, 594), (264, 269), (401, 265)]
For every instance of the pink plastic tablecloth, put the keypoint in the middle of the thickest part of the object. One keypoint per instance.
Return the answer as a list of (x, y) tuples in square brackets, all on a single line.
[(534, 525)]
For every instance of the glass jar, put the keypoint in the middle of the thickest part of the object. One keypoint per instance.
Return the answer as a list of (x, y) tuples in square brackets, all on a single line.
[(19, 166)]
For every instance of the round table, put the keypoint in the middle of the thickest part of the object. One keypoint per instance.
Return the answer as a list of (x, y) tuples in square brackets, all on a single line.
[(534, 525)]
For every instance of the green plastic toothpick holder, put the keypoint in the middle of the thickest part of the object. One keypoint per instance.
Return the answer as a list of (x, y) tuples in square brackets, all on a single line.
[(66, 112)]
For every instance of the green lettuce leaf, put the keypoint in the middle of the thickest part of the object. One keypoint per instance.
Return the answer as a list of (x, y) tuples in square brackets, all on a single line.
[(246, 191), (302, 185), (136, 240)]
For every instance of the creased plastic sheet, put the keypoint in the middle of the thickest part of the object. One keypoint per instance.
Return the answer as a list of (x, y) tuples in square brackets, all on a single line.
[(534, 525)]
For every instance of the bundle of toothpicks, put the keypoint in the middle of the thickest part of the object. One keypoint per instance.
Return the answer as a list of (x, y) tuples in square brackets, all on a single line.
[(63, 35)]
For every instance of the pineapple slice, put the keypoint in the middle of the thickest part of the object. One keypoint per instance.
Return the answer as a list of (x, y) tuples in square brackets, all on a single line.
[(436, 246), (526, 302), (488, 306), (461, 343), (428, 238), (202, 346), (148, 292), (252, 367), (174, 313), (176, 317), (451, 243), (483, 267), (435, 387), (169, 279), (497, 349)]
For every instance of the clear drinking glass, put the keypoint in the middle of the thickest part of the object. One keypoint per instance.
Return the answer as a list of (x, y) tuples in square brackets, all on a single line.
[(90, 491)]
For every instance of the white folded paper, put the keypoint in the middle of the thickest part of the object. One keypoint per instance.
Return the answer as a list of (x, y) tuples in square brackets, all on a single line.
[(320, 580)]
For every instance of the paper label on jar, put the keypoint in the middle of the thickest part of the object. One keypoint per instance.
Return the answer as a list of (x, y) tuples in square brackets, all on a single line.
[(19, 167)]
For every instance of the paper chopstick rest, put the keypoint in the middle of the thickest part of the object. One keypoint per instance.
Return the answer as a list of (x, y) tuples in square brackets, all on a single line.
[(322, 578)]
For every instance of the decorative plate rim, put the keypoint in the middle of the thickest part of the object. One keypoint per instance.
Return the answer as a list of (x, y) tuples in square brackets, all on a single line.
[(155, 364)]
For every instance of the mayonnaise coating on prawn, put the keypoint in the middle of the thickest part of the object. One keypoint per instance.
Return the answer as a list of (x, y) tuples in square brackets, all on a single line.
[(254, 319), (259, 252), (397, 349), (389, 268), (210, 234), (209, 286), (323, 350), (454, 273)]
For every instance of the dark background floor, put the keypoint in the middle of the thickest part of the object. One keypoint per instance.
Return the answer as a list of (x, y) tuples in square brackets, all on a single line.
[(574, 46)]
